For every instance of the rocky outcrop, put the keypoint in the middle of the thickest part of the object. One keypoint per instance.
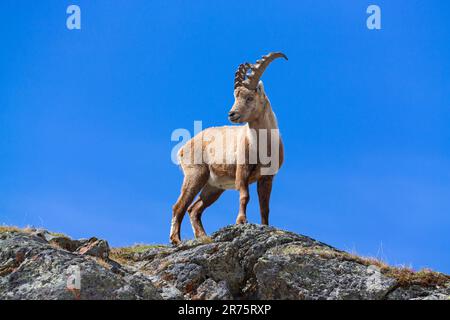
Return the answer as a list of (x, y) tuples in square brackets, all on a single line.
[(237, 262), (32, 267)]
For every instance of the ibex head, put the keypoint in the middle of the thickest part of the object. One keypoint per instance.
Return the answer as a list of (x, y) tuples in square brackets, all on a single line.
[(249, 95)]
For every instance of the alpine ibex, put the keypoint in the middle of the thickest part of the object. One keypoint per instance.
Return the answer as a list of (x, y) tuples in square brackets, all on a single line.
[(232, 157)]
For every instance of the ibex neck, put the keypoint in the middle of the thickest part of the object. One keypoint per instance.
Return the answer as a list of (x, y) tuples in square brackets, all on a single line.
[(267, 120)]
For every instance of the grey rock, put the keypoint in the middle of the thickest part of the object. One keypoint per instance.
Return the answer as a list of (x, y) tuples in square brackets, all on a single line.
[(169, 292), (45, 272), (42, 233), (416, 292), (258, 262), (64, 243), (435, 296), (211, 290), (237, 262), (289, 272), (95, 247)]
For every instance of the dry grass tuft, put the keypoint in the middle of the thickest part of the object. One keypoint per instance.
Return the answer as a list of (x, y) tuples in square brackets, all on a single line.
[(28, 230), (425, 277), (59, 234), (15, 229), (125, 254), (405, 277)]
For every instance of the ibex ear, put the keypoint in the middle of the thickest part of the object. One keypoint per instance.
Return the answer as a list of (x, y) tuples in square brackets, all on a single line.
[(260, 89)]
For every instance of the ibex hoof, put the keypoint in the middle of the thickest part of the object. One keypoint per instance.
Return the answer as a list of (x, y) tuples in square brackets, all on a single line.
[(175, 241), (241, 220)]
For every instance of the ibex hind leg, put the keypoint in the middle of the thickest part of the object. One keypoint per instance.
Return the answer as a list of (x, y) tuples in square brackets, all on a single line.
[(264, 191), (194, 180), (207, 197)]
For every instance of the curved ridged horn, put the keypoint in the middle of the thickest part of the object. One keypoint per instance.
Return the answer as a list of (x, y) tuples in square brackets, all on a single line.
[(258, 69), (241, 72)]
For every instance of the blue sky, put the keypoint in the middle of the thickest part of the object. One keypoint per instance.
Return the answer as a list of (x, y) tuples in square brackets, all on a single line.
[(86, 117)]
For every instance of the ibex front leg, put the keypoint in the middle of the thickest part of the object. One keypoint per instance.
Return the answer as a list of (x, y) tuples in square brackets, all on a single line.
[(242, 176), (264, 191)]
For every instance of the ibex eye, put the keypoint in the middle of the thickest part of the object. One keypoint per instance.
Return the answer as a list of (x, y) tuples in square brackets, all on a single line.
[(249, 99)]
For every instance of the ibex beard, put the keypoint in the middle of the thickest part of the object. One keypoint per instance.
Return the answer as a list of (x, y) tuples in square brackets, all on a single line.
[(232, 157)]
